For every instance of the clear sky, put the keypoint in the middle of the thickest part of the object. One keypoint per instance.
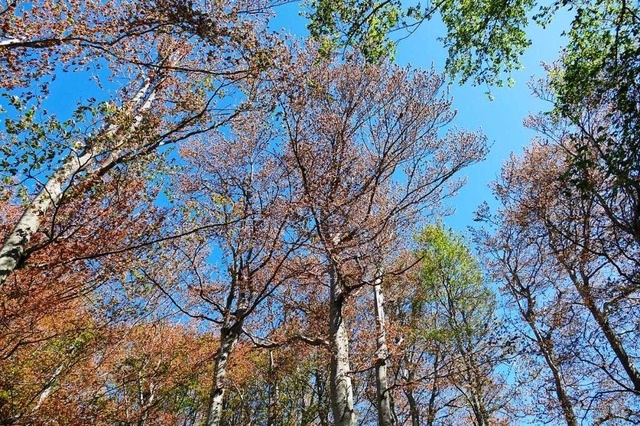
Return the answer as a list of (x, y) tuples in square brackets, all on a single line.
[(500, 119)]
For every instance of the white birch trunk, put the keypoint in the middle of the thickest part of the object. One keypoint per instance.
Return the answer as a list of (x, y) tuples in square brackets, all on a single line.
[(13, 249), (48, 388), (228, 339), (385, 417), (341, 386), (9, 42)]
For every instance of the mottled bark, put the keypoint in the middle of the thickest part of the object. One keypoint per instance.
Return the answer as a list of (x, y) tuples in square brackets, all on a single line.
[(228, 339), (479, 410), (15, 245), (341, 385), (385, 417)]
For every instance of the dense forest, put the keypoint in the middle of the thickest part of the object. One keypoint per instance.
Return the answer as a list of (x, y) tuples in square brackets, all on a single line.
[(226, 224)]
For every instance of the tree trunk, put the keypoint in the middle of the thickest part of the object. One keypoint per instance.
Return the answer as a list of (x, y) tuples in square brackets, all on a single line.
[(479, 412), (609, 333), (546, 345), (385, 417), (320, 389), (48, 388), (435, 390), (474, 379), (228, 338), (548, 352), (414, 408), (274, 393), (341, 386), (14, 247)]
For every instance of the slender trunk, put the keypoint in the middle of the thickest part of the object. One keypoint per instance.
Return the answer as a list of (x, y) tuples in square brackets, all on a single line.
[(479, 412), (431, 407), (10, 42), (474, 380), (228, 338), (614, 341), (320, 381), (546, 345), (13, 249), (547, 348), (385, 417), (414, 408), (341, 386), (44, 394), (609, 333), (307, 403), (274, 393)]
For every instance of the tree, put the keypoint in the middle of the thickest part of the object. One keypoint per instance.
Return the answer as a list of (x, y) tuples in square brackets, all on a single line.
[(519, 259), (54, 315), (348, 129), (592, 172), (593, 268), (451, 334), (486, 38), (239, 182), (170, 93)]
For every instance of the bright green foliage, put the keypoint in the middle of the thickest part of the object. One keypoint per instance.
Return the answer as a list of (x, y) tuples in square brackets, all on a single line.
[(361, 23), (484, 37), (452, 284), (600, 69), (449, 317), (36, 140)]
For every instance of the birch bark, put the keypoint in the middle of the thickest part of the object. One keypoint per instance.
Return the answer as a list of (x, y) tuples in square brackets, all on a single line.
[(341, 385), (385, 417), (228, 340), (15, 245)]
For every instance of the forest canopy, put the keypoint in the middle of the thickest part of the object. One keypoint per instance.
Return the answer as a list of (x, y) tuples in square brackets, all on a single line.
[(224, 224)]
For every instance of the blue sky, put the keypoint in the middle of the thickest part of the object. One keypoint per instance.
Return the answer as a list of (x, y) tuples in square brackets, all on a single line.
[(500, 119)]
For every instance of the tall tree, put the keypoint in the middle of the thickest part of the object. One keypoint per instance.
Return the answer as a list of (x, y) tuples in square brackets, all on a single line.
[(349, 129), (594, 269), (521, 261), (453, 343), (171, 91), (239, 181), (59, 312)]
